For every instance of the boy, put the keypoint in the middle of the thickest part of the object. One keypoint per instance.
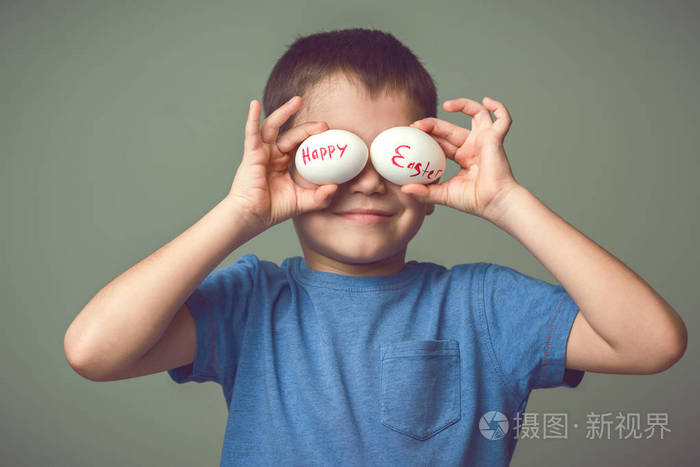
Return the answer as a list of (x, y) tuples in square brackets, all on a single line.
[(350, 355)]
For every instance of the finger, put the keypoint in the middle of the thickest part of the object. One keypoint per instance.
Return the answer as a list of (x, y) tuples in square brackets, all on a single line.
[(503, 119), (271, 125), (294, 136), (315, 198), (481, 117), (252, 140), (448, 148), (281, 162), (433, 193), (453, 134)]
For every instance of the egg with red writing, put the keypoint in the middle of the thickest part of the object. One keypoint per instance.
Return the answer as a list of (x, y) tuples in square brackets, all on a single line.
[(404, 154), (333, 156)]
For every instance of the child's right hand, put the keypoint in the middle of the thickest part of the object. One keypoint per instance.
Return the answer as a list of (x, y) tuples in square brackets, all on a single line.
[(263, 185)]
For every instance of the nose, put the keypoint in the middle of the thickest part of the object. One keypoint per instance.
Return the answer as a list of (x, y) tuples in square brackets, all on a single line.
[(368, 181)]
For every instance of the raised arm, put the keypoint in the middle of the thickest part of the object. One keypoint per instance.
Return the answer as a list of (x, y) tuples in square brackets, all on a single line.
[(131, 314), (624, 326)]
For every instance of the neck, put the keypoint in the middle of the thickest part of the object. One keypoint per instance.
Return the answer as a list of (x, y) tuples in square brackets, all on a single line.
[(348, 267)]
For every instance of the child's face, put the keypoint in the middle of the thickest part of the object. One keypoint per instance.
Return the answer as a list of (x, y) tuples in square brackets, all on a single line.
[(343, 245)]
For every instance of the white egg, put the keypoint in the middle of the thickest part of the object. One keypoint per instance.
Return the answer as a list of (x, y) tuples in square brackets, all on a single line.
[(404, 154), (333, 156)]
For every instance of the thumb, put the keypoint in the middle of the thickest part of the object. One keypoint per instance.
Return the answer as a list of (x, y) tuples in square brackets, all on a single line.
[(316, 198), (431, 193), (418, 191)]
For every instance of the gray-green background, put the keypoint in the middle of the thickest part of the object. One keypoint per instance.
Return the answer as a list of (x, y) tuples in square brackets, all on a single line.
[(121, 124)]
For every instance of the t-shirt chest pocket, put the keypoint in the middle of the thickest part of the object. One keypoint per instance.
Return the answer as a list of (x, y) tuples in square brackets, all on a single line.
[(420, 386)]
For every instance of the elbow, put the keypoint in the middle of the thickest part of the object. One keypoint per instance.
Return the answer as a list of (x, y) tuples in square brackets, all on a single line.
[(76, 363), (77, 360), (81, 367), (675, 345), (81, 370)]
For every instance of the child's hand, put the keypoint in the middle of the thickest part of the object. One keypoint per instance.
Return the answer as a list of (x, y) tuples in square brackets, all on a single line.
[(262, 184), (485, 177)]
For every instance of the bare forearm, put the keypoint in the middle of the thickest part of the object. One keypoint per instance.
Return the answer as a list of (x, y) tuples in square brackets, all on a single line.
[(618, 304), (128, 316)]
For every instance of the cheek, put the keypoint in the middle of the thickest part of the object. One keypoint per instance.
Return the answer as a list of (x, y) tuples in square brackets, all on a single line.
[(311, 225), (411, 204)]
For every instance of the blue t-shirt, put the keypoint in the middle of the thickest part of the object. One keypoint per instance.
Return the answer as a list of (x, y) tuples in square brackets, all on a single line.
[(429, 366)]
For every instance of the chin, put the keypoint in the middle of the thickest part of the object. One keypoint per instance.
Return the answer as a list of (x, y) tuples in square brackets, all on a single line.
[(364, 257), (360, 259)]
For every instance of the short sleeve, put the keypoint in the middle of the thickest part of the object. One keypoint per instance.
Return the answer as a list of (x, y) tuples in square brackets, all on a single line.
[(528, 322), (219, 308)]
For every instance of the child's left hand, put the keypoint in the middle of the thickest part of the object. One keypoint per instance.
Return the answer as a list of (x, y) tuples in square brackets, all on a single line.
[(485, 177)]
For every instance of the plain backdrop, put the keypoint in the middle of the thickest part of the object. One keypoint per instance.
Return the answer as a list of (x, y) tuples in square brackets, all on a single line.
[(121, 124)]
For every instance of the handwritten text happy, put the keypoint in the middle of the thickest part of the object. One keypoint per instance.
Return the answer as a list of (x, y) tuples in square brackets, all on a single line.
[(323, 152)]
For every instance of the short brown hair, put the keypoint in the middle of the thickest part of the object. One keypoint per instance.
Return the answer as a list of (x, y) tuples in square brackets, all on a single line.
[(373, 58)]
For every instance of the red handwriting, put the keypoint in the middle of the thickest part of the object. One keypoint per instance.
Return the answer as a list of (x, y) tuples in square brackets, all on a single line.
[(414, 165), (322, 152)]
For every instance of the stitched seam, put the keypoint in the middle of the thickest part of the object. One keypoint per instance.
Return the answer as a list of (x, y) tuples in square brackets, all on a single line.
[(369, 289), (204, 303), (499, 369), (213, 344), (406, 282), (549, 340)]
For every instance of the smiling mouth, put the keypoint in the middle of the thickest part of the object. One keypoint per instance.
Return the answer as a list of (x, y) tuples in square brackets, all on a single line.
[(364, 217)]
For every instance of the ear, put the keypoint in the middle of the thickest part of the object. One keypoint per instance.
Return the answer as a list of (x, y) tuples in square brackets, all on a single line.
[(429, 209)]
